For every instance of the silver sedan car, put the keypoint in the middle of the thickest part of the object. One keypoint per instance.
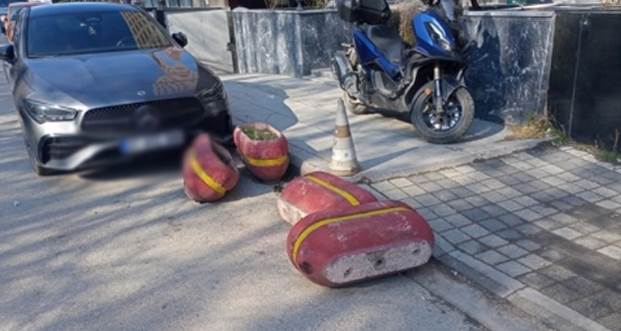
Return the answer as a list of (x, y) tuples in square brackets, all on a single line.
[(97, 83)]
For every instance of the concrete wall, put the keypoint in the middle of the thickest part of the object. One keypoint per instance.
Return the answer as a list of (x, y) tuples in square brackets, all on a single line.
[(208, 35), (287, 42), (585, 85), (509, 62)]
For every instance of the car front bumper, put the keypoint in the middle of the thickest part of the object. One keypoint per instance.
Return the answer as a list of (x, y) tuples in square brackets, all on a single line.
[(67, 147)]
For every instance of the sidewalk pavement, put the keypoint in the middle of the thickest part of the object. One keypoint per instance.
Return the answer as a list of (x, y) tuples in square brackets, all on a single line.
[(305, 110), (540, 228)]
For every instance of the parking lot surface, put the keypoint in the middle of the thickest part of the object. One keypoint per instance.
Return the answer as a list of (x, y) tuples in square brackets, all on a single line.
[(124, 249)]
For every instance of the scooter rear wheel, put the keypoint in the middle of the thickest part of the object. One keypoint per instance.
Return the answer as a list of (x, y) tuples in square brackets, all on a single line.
[(443, 128), (354, 107)]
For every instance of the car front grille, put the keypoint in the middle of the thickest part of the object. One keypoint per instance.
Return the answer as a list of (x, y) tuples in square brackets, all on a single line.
[(146, 116)]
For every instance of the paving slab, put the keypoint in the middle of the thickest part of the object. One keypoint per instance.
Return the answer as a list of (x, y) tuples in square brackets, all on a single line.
[(386, 147)]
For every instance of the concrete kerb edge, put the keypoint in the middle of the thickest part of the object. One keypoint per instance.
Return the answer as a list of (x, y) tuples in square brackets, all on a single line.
[(524, 145), (524, 298), (534, 302), (497, 283), (476, 303), (313, 163)]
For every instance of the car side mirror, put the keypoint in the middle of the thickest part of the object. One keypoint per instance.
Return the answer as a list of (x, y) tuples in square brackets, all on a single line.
[(180, 38), (7, 53)]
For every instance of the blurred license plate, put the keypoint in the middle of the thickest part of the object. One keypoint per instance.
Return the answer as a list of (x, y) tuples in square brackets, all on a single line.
[(154, 142)]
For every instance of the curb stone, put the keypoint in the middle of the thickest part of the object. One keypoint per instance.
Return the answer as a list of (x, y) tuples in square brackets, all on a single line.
[(489, 311), (307, 162), (534, 302), (547, 311)]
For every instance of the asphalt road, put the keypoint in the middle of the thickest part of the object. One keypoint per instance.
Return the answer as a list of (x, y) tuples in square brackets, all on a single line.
[(124, 249)]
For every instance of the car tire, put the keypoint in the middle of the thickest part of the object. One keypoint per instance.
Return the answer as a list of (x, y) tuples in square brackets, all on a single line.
[(44, 172)]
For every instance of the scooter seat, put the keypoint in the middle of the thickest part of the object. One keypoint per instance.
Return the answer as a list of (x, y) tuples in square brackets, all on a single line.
[(388, 41)]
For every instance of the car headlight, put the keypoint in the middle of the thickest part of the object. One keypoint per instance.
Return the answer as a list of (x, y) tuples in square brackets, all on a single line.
[(438, 36), (42, 112)]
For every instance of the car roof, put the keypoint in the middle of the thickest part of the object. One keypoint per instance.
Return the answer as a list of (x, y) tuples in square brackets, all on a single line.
[(78, 7), (25, 4)]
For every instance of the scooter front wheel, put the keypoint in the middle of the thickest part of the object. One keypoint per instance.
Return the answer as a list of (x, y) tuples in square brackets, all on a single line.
[(448, 126)]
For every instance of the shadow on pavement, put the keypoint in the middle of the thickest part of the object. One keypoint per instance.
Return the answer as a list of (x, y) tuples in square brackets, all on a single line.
[(481, 128), (254, 102)]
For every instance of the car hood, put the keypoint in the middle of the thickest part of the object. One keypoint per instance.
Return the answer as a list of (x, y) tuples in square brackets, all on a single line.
[(98, 80)]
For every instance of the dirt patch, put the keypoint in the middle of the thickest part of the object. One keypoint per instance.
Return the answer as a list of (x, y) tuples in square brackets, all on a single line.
[(259, 133), (537, 126)]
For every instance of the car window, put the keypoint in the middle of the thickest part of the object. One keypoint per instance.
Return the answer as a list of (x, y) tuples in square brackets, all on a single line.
[(17, 32), (91, 32)]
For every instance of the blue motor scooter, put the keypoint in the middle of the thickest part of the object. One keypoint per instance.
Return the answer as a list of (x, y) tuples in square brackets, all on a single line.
[(424, 82)]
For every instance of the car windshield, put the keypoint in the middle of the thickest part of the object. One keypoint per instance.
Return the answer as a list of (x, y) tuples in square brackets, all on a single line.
[(92, 32), (13, 11)]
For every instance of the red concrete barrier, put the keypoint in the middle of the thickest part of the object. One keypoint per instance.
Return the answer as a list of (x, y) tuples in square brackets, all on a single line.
[(263, 149), (337, 247), (319, 191), (208, 170)]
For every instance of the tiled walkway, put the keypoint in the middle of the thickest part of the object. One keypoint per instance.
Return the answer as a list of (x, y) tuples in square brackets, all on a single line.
[(547, 220)]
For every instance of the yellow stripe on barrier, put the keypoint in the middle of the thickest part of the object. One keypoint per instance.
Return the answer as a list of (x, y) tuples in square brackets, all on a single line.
[(267, 163), (344, 194), (200, 172), (307, 232)]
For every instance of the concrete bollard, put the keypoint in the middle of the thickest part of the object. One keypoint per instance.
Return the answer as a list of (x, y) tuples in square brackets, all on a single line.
[(208, 170), (266, 157), (338, 247), (319, 191)]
